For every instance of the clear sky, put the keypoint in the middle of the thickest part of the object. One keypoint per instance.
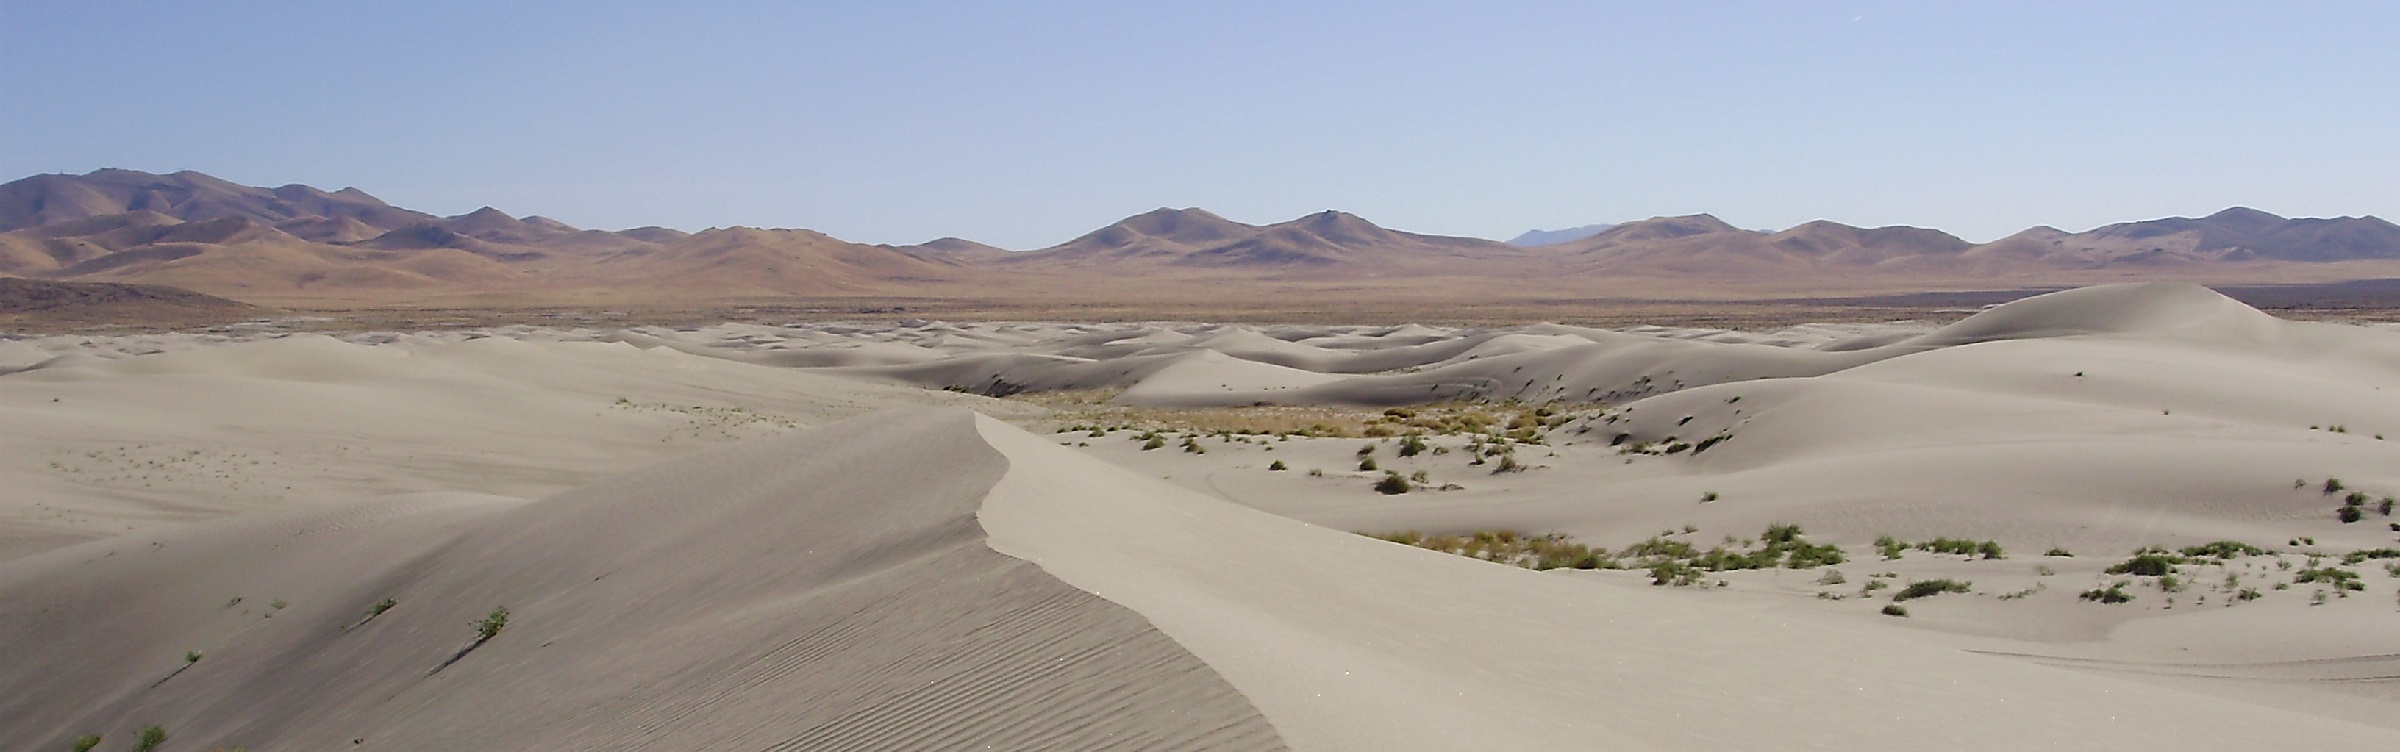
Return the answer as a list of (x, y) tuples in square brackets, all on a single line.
[(1023, 124)]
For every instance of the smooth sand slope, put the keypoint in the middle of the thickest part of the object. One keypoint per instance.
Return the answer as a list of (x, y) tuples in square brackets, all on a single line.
[(105, 435), (799, 593)]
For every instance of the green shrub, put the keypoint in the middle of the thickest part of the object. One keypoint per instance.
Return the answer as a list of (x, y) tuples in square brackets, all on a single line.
[(1393, 484), (85, 743), (192, 656), (1368, 465), (1411, 445), (1153, 442), (2348, 514), (1895, 609), (2223, 549), (1278, 465), (1962, 547), (1888, 546), (1929, 588), (2112, 594), (1675, 573), (2333, 485), (2340, 579), (151, 737), (2355, 558), (2059, 551), (491, 625), (2147, 563)]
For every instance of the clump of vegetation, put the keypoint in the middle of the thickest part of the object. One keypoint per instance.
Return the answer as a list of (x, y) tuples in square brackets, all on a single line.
[(1278, 465), (381, 606), (2059, 551), (1508, 464), (1537, 552), (2334, 485), (1192, 446), (1708, 497), (1393, 484), (1962, 547), (1412, 445), (2114, 593), (1895, 609), (1153, 442), (490, 626), (85, 743), (2341, 580), (2356, 558), (192, 656), (1368, 465), (1781, 545), (2223, 549), (151, 737), (1890, 547), (1930, 588), (2148, 562)]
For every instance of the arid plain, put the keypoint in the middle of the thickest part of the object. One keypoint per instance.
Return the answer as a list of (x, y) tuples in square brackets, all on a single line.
[(1897, 509)]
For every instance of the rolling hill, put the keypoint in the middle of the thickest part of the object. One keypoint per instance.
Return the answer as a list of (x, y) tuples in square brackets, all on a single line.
[(297, 242)]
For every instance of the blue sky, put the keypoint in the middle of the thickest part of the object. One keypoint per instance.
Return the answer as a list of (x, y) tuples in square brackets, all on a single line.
[(1025, 124)]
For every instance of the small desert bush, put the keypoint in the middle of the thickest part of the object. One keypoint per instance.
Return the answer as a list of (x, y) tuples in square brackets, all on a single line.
[(1392, 483), (1962, 547), (1538, 552), (490, 626), (2338, 579), (2356, 558), (2147, 563), (1368, 465), (1278, 465), (2059, 551), (1930, 588), (1890, 547), (151, 737), (85, 743), (1895, 609), (2223, 549), (2114, 593), (1411, 445)]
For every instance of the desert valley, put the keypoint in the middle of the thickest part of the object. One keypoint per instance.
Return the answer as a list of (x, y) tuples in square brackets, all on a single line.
[(296, 469)]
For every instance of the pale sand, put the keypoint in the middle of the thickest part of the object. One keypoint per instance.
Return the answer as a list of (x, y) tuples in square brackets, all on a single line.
[(2190, 422)]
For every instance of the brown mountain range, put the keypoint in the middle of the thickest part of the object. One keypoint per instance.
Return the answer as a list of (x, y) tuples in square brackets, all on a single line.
[(296, 242)]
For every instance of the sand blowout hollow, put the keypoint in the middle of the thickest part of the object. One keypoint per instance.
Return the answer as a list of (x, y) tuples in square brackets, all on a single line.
[(931, 579)]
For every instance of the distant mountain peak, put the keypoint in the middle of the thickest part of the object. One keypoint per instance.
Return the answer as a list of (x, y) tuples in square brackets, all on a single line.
[(1531, 238)]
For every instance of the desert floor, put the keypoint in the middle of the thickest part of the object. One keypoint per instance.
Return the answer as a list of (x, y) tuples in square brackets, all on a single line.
[(1026, 535)]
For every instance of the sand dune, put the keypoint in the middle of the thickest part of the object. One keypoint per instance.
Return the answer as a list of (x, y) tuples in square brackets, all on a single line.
[(719, 537), (767, 596), (675, 607)]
